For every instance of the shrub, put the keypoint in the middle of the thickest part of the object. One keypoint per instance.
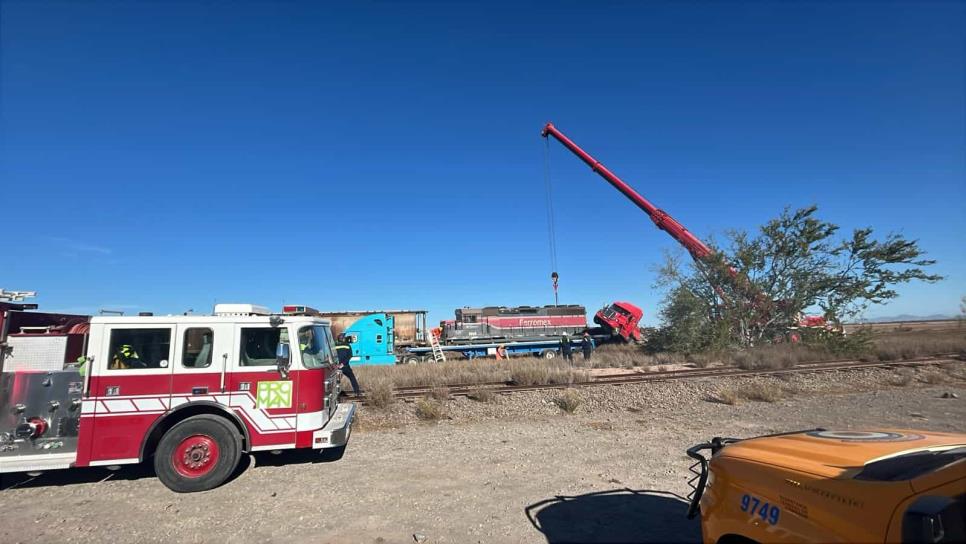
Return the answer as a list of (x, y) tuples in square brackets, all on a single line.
[(725, 396), (440, 392), (932, 377), (428, 409), (701, 360), (379, 392), (569, 400), (543, 372), (761, 391), (901, 378), (482, 394)]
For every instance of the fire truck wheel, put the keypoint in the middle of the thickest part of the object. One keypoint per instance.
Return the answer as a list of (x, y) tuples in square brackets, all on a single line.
[(197, 454)]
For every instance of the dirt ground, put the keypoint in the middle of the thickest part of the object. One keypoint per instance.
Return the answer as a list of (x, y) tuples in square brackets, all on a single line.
[(516, 470)]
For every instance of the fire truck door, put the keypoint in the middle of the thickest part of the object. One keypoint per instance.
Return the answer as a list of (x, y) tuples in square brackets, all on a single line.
[(263, 396), (131, 387), (201, 357)]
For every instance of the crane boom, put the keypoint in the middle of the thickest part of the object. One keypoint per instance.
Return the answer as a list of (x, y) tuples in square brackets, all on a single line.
[(698, 249)]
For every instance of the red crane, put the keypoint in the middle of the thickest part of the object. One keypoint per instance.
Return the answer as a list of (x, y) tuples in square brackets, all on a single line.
[(698, 249)]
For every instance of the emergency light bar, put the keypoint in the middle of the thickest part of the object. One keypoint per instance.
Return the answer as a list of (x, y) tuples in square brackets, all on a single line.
[(240, 310), (300, 310)]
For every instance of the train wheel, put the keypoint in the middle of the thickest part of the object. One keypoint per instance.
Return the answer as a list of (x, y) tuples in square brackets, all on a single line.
[(410, 360), (548, 353)]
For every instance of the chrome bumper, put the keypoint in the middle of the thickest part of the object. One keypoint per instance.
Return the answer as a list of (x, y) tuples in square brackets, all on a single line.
[(337, 429)]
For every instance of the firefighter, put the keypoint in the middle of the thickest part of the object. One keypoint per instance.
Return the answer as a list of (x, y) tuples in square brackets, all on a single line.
[(344, 350), (126, 357), (81, 365), (587, 346), (565, 348)]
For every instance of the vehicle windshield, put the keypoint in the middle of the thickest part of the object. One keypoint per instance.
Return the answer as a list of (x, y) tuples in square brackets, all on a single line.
[(911, 465), (314, 346)]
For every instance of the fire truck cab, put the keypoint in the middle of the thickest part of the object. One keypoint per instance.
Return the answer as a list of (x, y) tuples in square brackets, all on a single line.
[(191, 393)]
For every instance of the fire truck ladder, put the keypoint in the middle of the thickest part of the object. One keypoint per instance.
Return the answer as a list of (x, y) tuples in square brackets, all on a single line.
[(438, 355)]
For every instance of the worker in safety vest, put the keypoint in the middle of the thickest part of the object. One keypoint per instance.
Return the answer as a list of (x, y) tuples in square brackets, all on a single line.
[(565, 348), (81, 365), (126, 357), (587, 346), (344, 350)]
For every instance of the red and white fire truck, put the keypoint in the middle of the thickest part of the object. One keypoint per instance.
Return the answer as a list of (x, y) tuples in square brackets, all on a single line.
[(191, 393)]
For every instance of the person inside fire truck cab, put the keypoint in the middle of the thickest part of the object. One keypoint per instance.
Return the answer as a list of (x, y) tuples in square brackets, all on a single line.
[(343, 349), (126, 357)]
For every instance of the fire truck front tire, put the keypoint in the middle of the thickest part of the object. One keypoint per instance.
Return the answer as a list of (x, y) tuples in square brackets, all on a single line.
[(197, 454)]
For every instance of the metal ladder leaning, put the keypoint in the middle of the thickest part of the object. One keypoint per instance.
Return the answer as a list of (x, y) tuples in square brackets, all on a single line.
[(438, 355)]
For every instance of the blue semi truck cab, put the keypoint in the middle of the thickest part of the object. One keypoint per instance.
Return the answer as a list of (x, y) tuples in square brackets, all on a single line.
[(373, 340)]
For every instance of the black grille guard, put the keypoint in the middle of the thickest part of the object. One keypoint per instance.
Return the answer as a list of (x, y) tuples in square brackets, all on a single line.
[(701, 476)]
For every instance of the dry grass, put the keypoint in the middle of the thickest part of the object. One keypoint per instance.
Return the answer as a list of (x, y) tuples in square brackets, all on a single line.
[(703, 360), (630, 356), (544, 372), (754, 391), (379, 391), (761, 391), (777, 356), (932, 377), (901, 378), (956, 371), (440, 392), (569, 400), (482, 394), (429, 409), (902, 346), (726, 396)]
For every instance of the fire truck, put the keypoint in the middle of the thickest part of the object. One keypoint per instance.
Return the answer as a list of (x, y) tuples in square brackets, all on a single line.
[(189, 393)]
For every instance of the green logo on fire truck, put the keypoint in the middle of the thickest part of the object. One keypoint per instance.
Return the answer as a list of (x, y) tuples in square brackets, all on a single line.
[(274, 395)]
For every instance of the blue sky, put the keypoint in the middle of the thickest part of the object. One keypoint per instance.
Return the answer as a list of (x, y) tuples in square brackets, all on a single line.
[(166, 155)]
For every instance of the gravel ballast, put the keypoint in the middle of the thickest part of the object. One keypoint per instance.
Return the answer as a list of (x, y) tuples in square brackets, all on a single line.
[(517, 469)]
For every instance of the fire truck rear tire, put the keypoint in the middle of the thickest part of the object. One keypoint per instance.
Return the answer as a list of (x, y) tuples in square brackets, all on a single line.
[(197, 454)]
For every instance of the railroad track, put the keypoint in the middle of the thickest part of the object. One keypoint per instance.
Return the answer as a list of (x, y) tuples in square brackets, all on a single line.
[(506, 387)]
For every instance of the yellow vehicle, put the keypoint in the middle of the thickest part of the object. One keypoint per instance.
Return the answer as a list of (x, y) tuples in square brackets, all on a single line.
[(831, 486)]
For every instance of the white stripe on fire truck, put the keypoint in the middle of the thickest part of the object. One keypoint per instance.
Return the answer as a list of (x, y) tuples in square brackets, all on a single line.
[(245, 403), (120, 405)]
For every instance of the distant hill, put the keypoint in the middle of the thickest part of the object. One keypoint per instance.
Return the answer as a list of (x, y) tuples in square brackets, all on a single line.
[(906, 317)]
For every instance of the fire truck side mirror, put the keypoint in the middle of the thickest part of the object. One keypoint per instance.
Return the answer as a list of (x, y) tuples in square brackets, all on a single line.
[(283, 359)]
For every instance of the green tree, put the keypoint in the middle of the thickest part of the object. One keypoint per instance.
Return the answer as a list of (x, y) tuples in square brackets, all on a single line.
[(756, 288)]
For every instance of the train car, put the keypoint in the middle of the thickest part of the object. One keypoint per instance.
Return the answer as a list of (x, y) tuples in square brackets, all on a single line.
[(409, 330), (517, 323)]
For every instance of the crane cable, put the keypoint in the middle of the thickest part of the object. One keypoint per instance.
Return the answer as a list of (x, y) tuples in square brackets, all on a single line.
[(551, 227)]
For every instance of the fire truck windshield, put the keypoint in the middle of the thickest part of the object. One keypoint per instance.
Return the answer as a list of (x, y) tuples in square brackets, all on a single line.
[(314, 346)]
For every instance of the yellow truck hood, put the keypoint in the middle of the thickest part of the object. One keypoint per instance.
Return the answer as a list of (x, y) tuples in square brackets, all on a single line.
[(837, 454)]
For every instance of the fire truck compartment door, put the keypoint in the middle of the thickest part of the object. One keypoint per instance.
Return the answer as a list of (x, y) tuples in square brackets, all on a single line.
[(131, 387)]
